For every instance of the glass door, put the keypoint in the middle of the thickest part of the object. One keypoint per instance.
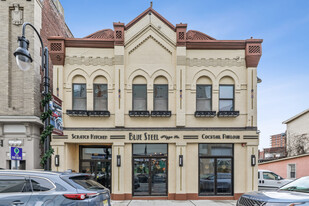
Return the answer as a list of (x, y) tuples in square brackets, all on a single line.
[(224, 176), (207, 176), (158, 176), (103, 173), (141, 176)]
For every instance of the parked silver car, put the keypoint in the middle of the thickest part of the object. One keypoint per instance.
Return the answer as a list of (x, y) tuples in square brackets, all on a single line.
[(20, 187), (295, 193)]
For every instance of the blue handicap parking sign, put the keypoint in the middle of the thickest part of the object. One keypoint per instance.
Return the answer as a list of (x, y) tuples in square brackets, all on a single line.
[(16, 153)]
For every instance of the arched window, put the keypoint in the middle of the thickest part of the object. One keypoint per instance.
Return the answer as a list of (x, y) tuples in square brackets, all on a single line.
[(139, 94), (100, 94), (203, 94), (79, 93), (226, 94), (160, 94)]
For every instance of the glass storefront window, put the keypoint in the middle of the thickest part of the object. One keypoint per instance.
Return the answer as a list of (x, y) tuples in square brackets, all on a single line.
[(215, 170), (96, 153), (216, 149), (150, 149)]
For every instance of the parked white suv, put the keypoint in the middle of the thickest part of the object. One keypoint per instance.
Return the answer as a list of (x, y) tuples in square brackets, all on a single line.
[(269, 180)]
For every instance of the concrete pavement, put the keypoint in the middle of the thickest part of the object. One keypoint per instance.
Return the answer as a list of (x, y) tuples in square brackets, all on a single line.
[(174, 203)]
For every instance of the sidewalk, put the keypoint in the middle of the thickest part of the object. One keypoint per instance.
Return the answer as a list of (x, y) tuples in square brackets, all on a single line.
[(174, 202)]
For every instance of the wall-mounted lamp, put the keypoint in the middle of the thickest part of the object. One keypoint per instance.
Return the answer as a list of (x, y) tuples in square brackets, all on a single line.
[(57, 160), (118, 160), (180, 160), (253, 160)]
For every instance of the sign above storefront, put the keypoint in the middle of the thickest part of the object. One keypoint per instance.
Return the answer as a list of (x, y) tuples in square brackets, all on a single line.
[(145, 136)]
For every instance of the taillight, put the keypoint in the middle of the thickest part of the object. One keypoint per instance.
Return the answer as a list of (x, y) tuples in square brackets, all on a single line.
[(75, 196), (80, 196)]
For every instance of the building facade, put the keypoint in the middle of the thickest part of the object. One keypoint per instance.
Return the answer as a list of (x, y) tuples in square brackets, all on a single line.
[(278, 140), (20, 125), (297, 134), (158, 112)]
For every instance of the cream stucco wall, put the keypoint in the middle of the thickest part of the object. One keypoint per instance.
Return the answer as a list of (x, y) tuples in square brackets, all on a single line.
[(150, 52)]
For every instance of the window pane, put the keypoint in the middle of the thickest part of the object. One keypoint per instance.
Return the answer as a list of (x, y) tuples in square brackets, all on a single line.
[(216, 149), (40, 184), (207, 176), (140, 97), (96, 153), (203, 91), (10, 184), (224, 176), (149, 149), (226, 92), (203, 105), (161, 97), (226, 105), (79, 97), (100, 97)]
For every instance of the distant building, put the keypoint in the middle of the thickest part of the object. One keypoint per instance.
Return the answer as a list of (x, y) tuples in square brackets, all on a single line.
[(20, 92), (272, 153), (289, 167), (278, 140), (297, 134)]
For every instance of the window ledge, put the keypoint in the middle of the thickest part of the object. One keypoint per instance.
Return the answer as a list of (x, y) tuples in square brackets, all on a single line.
[(228, 113), (139, 113), (161, 113), (85, 113), (205, 114), (99, 113)]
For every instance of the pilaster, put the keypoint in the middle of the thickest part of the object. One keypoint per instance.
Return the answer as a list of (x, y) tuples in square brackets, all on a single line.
[(181, 172), (118, 171), (181, 86)]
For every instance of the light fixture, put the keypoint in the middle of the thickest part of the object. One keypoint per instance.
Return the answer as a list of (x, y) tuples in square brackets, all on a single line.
[(23, 57), (118, 160), (57, 160), (180, 160), (253, 160)]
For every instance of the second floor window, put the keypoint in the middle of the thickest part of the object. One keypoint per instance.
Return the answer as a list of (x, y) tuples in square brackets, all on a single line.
[(100, 97), (203, 97), (139, 97), (79, 97), (160, 96), (226, 98)]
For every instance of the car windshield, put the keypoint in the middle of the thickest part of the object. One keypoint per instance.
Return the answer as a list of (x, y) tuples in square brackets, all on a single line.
[(87, 182), (299, 185)]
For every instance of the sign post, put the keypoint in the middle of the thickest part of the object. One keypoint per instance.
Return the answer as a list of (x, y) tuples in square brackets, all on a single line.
[(17, 155)]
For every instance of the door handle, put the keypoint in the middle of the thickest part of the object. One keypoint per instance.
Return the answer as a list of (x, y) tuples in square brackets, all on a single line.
[(17, 202)]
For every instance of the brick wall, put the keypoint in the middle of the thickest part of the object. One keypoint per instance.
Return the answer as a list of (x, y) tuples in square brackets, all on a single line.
[(53, 24)]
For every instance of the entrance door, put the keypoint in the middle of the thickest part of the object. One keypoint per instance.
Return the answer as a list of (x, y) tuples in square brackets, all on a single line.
[(150, 176), (150, 170), (97, 162)]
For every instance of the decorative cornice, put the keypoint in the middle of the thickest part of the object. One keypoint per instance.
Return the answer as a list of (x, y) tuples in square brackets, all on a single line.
[(142, 42), (87, 61), (89, 43), (238, 62)]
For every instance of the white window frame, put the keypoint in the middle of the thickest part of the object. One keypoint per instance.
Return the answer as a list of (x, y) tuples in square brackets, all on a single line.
[(289, 171)]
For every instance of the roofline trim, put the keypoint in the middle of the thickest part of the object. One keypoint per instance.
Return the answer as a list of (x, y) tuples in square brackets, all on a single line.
[(296, 116)]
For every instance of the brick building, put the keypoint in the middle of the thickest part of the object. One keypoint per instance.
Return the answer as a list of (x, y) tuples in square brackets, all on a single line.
[(20, 93), (278, 140)]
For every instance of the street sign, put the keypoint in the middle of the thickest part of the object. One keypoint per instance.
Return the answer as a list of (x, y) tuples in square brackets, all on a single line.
[(16, 153)]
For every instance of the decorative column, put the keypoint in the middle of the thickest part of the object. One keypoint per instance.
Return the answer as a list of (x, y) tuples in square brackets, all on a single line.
[(118, 186), (181, 172), (119, 74), (181, 53)]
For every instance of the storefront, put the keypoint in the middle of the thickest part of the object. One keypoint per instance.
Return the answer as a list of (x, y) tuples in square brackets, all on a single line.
[(154, 111)]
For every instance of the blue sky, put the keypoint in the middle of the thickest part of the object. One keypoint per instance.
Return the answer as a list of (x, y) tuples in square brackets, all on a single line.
[(283, 24)]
